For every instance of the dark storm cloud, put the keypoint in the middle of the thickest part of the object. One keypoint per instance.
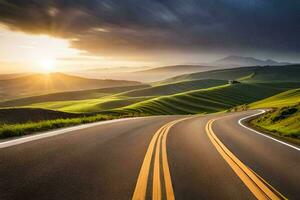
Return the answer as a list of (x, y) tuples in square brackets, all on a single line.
[(127, 26)]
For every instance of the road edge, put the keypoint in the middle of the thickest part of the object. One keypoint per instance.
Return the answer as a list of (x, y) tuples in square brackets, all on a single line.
[(38, 136), (240, 122)]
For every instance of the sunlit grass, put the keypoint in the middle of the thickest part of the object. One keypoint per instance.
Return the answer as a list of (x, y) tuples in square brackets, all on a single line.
[(209, 100), (282, 122), (283, 99), (89, 105), (13, 130)]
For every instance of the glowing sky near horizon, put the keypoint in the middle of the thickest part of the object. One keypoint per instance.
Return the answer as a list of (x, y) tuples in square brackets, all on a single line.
[(106, 33), (23, 52), (26, 52)]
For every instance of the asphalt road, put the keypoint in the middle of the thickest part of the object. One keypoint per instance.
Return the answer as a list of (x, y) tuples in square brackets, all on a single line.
[(163, 157)]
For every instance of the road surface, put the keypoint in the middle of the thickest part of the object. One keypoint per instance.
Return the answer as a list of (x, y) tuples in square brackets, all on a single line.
[(163, 157)]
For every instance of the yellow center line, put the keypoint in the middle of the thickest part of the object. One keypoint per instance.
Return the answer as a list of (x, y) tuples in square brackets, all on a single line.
[(159, 142), (166, 171), (141, 185), (156, 190), (259, 187)]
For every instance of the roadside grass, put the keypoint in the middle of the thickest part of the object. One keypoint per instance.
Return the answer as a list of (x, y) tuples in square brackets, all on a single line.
[(284, 120), (13, 130)]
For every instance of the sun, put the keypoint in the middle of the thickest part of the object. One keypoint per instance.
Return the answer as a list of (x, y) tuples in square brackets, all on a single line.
[(47, 65)]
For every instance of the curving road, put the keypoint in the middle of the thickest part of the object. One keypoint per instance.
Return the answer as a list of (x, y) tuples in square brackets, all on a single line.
[(163, 157)]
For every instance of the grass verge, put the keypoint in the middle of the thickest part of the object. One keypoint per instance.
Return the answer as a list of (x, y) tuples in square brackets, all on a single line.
[(13, 130), (281, 122)]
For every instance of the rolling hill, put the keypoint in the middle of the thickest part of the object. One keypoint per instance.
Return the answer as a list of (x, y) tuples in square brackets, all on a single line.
[(34, 84), (209, 100), (203, 92), (88, 105), (70, 96), (287, 98), (185, 94), (173, 88), (113, 101), (258, 74), (24, 115)]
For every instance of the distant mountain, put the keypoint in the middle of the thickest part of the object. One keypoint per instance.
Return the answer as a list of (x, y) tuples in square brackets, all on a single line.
[(239, 61), (55, 82), (146, 74)]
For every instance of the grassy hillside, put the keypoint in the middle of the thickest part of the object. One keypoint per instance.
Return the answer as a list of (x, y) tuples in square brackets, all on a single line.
[(287, 98), (24, 115), (89, 105), (282, 122), (209, 100), (259, 74), (34, 84), (104, 101), (70, 96), (191, 93), (173, 88), (223, 74), (284, 119), (204, 92)]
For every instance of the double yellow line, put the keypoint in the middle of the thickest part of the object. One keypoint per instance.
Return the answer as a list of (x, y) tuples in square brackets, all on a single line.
[(257, 185), (159, 143)]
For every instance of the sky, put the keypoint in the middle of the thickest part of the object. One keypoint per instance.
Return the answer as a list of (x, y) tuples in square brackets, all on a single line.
[(77, 34)]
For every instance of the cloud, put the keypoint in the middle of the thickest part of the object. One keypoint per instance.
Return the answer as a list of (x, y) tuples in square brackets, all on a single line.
[(133, 27)]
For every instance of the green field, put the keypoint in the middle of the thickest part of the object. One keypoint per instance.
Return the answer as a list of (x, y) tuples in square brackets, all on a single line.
[(204, 92), (110, 98), (209, 100), (287, 98), (70, 96), (174, 88), (184, 94), (89, 105)]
